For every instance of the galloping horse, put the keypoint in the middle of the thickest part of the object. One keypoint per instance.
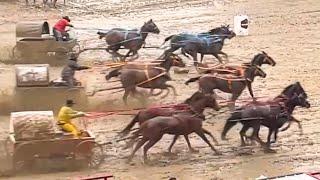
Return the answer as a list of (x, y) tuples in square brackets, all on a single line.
[(184, 124), (195, 104), (209, 82), (205, 43), (237, 70), (129, 39), (272, 114)]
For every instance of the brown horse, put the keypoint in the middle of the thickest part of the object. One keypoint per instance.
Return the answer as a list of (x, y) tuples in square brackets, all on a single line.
[(151, 78), (184, 124), (208, 83), (170, 59), (237, 70), (129, 39), (195, 104)]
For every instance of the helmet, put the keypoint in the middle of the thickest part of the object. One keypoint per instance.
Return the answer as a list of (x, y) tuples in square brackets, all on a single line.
[(66, 18)]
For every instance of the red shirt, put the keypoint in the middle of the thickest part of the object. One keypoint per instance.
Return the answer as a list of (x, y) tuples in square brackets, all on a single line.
[(61, 25)]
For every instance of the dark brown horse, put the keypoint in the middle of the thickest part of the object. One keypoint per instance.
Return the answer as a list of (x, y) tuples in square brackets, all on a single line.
[(271, 115), (184, 124), (208, 83), (195, 104), (170, 59), (128, 39)]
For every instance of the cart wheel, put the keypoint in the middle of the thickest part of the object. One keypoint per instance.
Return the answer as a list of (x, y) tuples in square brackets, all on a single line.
[(91, 152)]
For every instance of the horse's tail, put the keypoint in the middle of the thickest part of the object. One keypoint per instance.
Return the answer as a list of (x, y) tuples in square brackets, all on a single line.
[(167, 39), (230, 123), (113, 73), (127, 129), (192, 80), (133, 139)]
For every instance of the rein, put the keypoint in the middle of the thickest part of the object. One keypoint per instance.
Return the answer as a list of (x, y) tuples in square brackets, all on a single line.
[(150, 79)]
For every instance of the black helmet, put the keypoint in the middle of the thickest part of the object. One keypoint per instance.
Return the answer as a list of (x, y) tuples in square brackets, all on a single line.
[(66, 18)]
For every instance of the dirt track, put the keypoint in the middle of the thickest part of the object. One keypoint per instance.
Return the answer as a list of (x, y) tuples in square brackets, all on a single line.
[(289, 31)]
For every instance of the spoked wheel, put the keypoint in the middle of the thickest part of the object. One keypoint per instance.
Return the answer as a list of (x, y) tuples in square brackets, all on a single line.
[(91, 152)]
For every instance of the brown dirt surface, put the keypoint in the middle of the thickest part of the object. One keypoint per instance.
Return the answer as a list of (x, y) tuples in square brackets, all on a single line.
[(289, 31)]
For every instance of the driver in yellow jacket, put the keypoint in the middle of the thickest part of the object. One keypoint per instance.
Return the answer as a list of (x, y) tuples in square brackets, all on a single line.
[(65, 115)]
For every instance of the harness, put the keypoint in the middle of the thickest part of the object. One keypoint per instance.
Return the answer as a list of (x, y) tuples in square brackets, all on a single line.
[(153, 78)]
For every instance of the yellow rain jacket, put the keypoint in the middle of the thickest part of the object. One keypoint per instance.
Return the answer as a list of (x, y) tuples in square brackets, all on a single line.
[(64, 120)]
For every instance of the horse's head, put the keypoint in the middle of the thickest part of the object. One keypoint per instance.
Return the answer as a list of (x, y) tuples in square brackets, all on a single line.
[(200, 100), (175, 59), (295, 88), (263, 58), (224, 30), (254, 71), (150, 27), (299, 100), (101, 34)]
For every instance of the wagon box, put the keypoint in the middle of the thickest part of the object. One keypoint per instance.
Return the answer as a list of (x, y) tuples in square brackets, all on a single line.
[(34, 136), (35, 43)]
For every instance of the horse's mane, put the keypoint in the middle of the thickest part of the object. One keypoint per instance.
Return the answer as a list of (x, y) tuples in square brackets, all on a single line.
[(256, 57), (215, 30), (287, 88)]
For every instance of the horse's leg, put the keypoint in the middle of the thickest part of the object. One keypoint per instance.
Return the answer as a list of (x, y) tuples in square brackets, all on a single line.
[(255, 134), (204, 138), (138, 146), (165, 95), (189, 145), (172, 143), (269, 137), (242, 133), (125, 95), (157, 94), (210, 134), (225, 55), (195, 57), (173, 89), (172, 49), (232, 104), (202, 55), (218, 57), (148, 146)]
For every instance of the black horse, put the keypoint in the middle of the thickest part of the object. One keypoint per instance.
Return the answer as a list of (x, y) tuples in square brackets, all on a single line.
[(129, 39), (204, 43), (272, 114)]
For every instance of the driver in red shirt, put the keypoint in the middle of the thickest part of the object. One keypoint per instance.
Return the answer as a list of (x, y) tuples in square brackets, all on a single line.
[(59, 29)]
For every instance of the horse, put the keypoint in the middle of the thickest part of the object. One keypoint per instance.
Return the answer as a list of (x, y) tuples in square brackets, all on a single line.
[(237, 70), (206, 45), (129, 39), (184, 124), (170, 59), (209, 82), (270, 115), (181, 40), (46, 1), (151, 78), (196, 103)]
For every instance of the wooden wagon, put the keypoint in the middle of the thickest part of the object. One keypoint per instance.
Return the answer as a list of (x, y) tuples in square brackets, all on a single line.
[(24, 149), (35, 44)]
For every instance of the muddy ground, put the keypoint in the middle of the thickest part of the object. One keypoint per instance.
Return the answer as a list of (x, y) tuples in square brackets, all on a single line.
[(289, 31)]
